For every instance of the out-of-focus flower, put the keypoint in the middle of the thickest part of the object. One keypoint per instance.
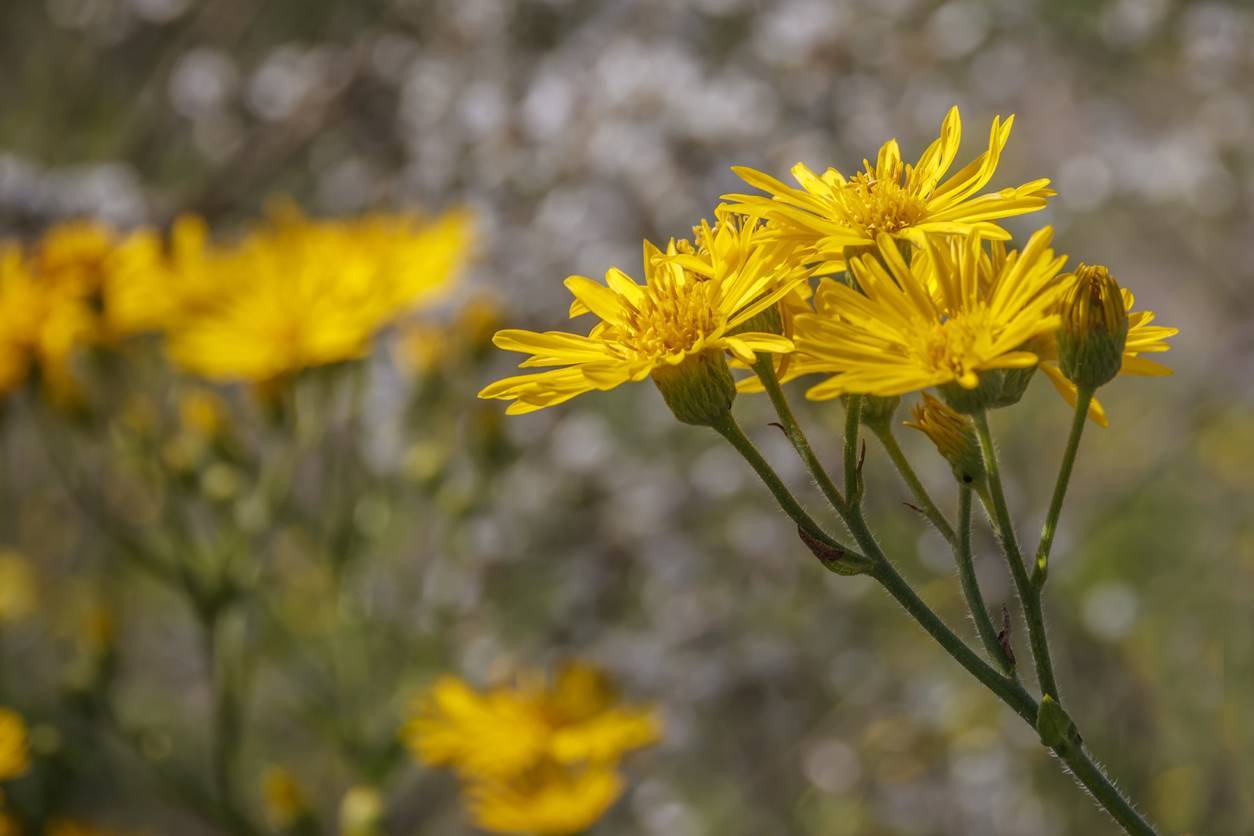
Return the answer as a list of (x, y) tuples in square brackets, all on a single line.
[(547, 801), (685, 315), (361, 812), (297, 292), (538, 757), (18, 590), (14, 745), (202, 411), (943, 320), (426, 347), (282, 797), (907, 202), (1143, 338)]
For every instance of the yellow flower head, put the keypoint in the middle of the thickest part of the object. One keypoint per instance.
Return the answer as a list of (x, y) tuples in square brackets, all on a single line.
[(549, 801), (908, 202), (693, 301), (14, 748), (953, 313), (298, 293), (18, 588), (282, 797), (1143, 338), (953, 434), (537, 757)]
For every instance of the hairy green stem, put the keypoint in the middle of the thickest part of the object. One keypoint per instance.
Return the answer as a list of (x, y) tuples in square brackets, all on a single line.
[(853, 469), (770, 381), (1091, 776), (971, 587), (1084, 396), (934, 515), (1006, 688), (727, 427), (1000, 514)]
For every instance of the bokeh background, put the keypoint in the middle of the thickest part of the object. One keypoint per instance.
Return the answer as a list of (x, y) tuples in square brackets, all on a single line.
[(795, 701)]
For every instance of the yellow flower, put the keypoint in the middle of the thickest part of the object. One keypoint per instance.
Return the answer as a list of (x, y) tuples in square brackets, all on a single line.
[(282, 797), (18, 593), (692, 302), (908, 202), (1143, 338), (9, 826), (551, 801), (536, 757), (952, 314), (298, 293), (14, 749)]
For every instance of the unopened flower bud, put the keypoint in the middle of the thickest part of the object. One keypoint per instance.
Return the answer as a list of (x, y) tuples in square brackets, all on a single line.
[(700, 389), (954, 437), (876, 410), (1094, 328)]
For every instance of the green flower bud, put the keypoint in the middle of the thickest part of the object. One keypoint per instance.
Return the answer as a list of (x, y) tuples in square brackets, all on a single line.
[(876, 411), (954, 437), (970, 401), (1013, 384), (1094, 328), (699, 390)]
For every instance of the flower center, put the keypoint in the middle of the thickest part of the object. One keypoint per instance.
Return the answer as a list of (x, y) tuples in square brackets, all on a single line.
[(956, 344), (874, 204), (676, 316)]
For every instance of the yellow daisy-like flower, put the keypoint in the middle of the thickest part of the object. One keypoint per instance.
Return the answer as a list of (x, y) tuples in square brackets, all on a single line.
[(1143, 338), (298, 293), (693, 301), (536, 757), (942, 320), (908, 202), (550, 801), (14, 749)]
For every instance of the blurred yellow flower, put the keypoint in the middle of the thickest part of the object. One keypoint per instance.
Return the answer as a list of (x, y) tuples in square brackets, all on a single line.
[(537, 757), (951, 314), (546, 801), (297, 293), (282, 797), (9, 826), (14, 748), (692, 302), (426, 347), (907, 202), (18, 591)]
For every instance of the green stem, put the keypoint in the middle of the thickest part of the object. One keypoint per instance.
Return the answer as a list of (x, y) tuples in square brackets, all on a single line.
[(1091, 776), (225, 719), (1084, 396), (971, 586), (727, 427), (1008, 690), (1032, 614), (765, 368), (853, 474), (889, 441)]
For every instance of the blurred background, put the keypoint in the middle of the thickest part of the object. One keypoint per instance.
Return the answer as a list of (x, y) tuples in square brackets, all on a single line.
[(795, 701)]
